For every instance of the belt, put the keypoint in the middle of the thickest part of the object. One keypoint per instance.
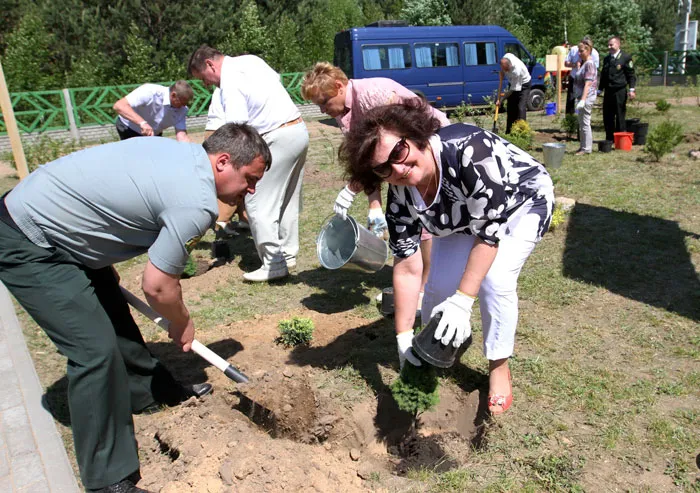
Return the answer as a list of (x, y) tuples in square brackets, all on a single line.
[(5, 215), (291, 122), (286, 124)]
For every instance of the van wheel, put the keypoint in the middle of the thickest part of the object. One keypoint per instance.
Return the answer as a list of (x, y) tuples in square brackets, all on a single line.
[(536, 100)]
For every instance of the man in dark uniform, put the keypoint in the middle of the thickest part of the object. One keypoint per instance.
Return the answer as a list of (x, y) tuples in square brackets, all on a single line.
[(616, 75), (68, 222)]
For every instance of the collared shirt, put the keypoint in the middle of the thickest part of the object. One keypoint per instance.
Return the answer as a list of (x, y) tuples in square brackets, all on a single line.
[(215, 117), (574, 58), (361, 95), (251, 92), (518, 74), (112, 202), (152, 103)]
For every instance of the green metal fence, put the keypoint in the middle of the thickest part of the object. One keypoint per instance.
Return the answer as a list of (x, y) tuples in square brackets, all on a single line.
[(39, 111)]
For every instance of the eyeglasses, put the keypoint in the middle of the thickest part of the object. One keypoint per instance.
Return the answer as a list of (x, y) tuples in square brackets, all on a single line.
[(398, 155)]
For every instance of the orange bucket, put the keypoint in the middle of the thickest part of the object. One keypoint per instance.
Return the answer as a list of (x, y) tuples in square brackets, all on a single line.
[(623, 140)]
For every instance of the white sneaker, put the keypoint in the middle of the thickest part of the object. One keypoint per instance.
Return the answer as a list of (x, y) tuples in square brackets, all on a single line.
[(264, 274), (291, 263)]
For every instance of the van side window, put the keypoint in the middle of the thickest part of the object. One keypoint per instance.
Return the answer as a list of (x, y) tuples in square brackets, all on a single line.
[(481, 53), (518, 51), (437, 54), (382, 57)]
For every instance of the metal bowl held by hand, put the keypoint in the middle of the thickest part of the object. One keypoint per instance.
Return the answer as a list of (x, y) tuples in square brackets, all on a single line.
[(433, 351)]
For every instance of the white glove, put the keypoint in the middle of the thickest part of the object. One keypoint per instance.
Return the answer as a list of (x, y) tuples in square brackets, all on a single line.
[(455, 324), (343, 202), (405, 343), (376, 222), (580, 104)]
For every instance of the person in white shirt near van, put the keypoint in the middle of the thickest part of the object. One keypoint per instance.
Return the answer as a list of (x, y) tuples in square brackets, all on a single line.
[(513, 69), (151, 108)]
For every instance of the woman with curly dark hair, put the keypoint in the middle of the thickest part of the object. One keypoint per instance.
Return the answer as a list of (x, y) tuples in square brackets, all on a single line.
[(486, 202)]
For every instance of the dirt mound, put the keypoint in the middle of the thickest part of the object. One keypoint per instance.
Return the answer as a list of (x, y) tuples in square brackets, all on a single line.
[(301, 424)]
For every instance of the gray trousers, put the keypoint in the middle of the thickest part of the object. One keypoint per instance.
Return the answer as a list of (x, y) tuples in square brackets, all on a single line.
[(585, 134), (273, 210), (111, 373)]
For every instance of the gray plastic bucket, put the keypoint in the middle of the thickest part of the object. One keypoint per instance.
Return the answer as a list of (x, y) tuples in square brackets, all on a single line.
[(344, 243), (553, 154)]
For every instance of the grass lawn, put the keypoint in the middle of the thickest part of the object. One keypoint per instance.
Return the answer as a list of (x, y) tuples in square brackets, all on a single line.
[(607, 365)]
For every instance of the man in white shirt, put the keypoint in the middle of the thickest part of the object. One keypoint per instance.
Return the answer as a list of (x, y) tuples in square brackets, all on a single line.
[(151, 108), (251, 92), (518, 77), (573, 60), (215, 120)]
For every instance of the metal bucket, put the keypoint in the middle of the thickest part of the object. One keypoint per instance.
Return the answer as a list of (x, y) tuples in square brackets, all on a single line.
[(344, 243), (553, 154)]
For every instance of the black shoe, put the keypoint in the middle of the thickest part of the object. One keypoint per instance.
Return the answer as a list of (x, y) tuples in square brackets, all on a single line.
[(197, 390), (123, 486)]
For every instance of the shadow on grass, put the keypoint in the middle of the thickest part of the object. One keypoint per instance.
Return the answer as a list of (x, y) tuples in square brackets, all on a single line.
[(643, 258), (341, 290), (373, 345), (187, 368)]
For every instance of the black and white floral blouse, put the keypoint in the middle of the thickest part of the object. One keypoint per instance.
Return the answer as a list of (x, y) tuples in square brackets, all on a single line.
[(486, 186)]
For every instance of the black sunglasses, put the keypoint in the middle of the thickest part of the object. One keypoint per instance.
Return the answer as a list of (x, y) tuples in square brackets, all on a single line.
[(397, 155)]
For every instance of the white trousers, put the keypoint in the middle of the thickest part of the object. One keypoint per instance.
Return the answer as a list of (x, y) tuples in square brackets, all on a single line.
[(273, 210), (498, 296), (585, 134)]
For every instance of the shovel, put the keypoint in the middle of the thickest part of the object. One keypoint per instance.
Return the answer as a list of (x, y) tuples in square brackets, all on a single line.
[(498, 98), (199, 348)]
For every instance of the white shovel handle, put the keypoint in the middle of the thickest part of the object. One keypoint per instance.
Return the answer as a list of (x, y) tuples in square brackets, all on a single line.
[(199, 348)]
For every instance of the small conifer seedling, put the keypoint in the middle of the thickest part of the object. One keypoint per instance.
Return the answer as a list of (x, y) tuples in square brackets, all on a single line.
[(416, 389), (296, 331)]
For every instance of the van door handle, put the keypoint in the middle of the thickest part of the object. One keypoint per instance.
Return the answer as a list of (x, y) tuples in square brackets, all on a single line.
[(495, 71)]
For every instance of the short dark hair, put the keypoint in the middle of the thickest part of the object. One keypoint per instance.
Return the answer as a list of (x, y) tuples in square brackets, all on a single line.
[(200, 56), (615, 37), (412, 119), (183, 91), (242, 142)]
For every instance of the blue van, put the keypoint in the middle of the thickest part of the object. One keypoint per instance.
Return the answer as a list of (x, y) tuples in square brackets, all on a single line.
[(446, 64)]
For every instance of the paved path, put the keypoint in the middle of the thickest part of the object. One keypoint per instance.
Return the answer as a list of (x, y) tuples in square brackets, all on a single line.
[(32, 456)]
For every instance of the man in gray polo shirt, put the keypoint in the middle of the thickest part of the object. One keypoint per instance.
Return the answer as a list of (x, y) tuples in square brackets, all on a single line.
[(61, 230)]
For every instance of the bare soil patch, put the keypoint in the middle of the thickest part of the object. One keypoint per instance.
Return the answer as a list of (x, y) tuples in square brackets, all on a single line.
[(297, 425)]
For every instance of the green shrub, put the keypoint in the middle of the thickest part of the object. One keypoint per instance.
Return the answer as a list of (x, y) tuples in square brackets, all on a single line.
[(296, 331), (663, 106), (465, 112), (521, 135), (416, 388), (663, 139), (569, 124), (190, 268)]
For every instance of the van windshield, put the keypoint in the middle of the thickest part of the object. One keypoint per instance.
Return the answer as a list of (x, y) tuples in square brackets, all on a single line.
[(517, 50)]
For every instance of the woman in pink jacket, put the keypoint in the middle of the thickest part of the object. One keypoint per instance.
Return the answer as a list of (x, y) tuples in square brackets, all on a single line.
[(348, 100)]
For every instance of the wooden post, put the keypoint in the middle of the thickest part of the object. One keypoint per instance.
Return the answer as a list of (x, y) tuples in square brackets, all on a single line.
[(8, 115), (559, 63)]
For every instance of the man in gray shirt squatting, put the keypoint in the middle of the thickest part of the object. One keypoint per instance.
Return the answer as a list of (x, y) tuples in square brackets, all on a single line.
[(61, 230)]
